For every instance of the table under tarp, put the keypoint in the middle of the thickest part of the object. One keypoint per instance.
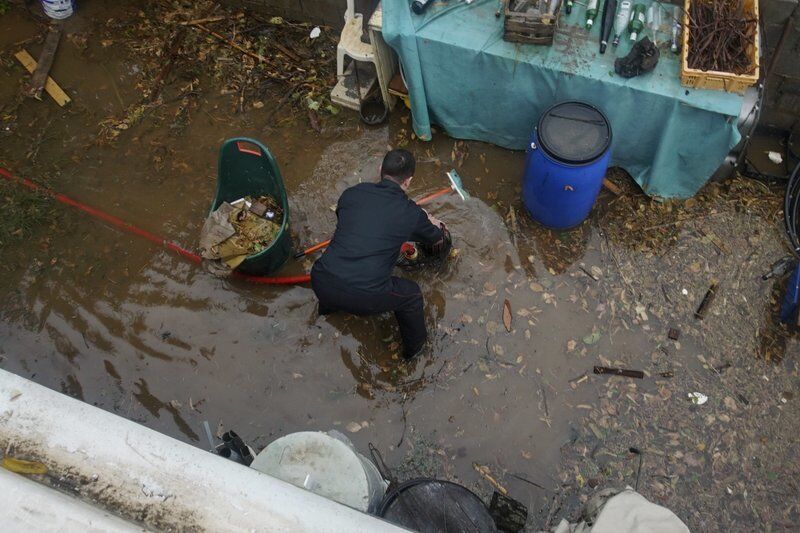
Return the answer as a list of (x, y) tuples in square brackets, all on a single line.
[(462, 76)]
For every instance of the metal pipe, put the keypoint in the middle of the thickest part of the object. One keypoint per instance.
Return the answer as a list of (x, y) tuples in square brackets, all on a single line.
[(142, 475)]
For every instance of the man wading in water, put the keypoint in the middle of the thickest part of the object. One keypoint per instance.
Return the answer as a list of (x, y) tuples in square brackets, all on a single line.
[(354, 274)]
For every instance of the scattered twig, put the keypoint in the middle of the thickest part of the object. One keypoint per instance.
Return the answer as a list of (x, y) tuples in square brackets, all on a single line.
[(405, 423), (528, 481), (674, 222), (39, 76), (170, 53), (711, 293), (210, 19), (487, 475), (589, 273), (638, 452), (619, 372), (231, 43)]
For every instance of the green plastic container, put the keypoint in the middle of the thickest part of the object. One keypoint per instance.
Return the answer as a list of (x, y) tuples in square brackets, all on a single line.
[(246, 168)]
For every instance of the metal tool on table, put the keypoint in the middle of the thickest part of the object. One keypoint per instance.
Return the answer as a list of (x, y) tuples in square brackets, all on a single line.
[(456, 185), (607, 23)]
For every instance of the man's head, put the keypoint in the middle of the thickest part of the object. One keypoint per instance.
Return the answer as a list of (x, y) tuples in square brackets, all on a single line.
[(399, 166)]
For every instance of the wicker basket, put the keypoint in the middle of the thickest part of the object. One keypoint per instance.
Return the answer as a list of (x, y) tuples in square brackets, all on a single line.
[(521, 27), (721, 81)]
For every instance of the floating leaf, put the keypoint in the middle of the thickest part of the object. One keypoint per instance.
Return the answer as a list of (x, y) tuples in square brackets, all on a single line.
[(353, 427), (571, 345), (21, 466), (507, 315), (592, 338)]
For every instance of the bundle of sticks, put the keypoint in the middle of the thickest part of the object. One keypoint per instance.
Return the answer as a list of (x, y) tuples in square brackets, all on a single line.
[(720, 36)]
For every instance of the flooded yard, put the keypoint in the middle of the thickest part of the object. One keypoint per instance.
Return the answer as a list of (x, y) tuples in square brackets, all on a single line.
[(132, 328)]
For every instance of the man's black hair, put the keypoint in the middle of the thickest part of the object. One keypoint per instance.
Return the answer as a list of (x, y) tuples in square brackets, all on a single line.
[(398, 165)]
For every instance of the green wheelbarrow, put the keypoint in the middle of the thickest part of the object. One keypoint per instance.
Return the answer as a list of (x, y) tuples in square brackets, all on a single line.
[(246, 168)]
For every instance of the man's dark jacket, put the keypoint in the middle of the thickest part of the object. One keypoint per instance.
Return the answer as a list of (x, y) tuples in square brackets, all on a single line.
[(375, 219)]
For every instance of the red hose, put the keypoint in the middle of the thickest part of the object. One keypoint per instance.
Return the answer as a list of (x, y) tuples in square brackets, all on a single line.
[(130, 228)]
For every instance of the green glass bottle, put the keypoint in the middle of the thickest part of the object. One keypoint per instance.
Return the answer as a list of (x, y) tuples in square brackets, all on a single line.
[(637, 21), (591, 13)]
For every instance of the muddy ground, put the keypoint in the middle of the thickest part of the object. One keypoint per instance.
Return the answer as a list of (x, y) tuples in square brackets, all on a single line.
[(117, 322)]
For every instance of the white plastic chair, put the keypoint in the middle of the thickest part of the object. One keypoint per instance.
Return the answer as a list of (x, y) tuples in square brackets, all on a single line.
[(350, 44)]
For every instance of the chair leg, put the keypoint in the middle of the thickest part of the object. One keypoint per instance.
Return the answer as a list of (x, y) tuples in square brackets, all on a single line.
[(340, 54)]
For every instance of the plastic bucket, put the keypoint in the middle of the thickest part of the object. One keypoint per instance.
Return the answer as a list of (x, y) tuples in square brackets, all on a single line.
[(58, 9), (325, 464), (566, 161)]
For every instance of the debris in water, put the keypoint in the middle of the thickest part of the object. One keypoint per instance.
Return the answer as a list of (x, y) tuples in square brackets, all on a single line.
[(592, 338), (775, 157), (700, 314), (507, 315), (698, 398), (619, 372), (487, 475)]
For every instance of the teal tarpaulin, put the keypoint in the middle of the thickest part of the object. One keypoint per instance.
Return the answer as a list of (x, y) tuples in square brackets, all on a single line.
[(462, 76)]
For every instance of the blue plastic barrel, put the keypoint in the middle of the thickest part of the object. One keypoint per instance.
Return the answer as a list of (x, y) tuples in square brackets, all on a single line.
[(566, 161)]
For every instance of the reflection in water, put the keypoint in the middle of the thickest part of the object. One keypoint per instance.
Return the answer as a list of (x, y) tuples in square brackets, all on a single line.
[(557, 249), (154, 406), (72, 387)]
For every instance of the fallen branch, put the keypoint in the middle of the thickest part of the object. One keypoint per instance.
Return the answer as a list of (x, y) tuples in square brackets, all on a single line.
[(487, 475), (218, 18), (39, 76)]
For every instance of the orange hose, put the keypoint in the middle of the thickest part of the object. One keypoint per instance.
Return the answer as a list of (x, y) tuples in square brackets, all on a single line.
[(130, 228)]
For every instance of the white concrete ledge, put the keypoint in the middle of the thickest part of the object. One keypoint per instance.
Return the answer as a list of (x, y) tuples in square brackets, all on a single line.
[(152, 479)]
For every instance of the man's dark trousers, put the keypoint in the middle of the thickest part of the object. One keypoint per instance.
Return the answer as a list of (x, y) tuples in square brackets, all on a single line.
[(354, 274), (403, 297)]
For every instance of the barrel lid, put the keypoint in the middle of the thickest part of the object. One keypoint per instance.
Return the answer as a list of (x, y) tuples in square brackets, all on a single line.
[(574, 132), (431, 505), (317, 462)]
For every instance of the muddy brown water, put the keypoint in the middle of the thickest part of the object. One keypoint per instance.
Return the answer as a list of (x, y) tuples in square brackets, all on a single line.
[(121, 324)]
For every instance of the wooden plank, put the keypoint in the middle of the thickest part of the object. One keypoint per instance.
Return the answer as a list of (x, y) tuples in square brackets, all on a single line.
[(611, 186), (52, 88), (45, 61)]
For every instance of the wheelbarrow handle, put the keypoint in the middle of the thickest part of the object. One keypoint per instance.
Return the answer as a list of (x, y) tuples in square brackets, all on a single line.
[(421, 201), (318, 246)]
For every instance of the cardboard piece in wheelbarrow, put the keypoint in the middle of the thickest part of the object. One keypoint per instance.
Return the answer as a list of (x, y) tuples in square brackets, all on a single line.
[(237, 230)]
